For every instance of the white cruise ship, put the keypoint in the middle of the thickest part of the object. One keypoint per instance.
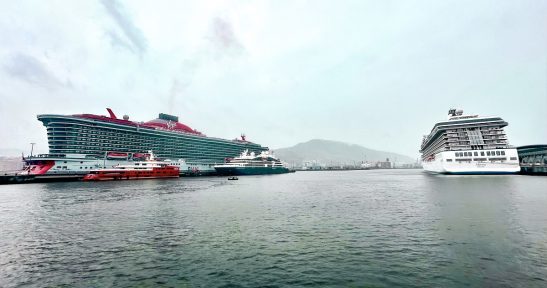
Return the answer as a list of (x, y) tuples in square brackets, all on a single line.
[(469, 144)]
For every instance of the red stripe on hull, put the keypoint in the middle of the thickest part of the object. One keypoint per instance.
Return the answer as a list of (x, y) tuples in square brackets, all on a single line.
[(133, 174)]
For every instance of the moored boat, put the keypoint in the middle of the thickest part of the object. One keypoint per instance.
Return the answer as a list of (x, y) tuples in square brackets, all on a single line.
[(252, 164), (149, 169)]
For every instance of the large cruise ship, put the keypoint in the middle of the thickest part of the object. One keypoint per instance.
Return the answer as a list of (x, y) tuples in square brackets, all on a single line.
[(83, 142), (469, 144)]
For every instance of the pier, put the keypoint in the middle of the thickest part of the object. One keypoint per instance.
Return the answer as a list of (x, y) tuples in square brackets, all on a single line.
[(16, 178), (533, 159)]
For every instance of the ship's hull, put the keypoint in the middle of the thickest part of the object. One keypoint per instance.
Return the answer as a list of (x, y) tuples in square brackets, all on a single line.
[(447, 163), (229, 171), (126, 177), (125, 173)]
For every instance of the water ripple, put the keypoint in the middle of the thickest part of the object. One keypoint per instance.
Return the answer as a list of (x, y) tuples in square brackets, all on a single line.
[(357, 229)]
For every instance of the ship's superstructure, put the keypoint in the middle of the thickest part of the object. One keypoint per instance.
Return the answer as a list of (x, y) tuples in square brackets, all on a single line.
[(469, 144), (252, 164), (79, 143)]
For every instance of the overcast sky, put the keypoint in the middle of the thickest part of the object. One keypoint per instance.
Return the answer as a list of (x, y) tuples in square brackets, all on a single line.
[(374, 73)]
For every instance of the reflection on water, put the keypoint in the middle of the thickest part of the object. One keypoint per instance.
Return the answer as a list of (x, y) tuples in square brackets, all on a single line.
[(353, 228)]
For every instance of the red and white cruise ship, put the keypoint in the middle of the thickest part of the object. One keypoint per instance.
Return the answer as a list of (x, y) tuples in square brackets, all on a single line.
[(150, 169), (83, 142)]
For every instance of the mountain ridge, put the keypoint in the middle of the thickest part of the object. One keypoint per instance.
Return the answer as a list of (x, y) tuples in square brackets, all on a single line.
[(336, 152)]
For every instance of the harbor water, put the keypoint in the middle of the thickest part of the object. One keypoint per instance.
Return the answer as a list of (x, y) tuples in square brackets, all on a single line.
[(375, 228)]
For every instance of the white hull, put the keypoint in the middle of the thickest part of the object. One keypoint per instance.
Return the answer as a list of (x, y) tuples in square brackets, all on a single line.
[(448, 163)]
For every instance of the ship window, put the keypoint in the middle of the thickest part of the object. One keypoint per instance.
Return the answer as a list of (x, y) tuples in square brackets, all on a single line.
[(482, 153), (58, 167), (476, 153), (448, 160), (503, 153), (498, 153), (487, 153), (513, 158)]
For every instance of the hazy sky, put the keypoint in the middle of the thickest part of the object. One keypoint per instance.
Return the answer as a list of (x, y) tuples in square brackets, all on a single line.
[(375, 73)]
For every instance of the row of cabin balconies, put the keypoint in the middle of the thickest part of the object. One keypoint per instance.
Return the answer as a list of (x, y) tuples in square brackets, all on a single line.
[(105, 135), (161, 153), (438, 145), (495, 141), (466, 139), (77, 130), (495, 137), (66, 149), (218, 158), (464, 135), (434, 147), (146, 142), (498, 132), (484, 144), (84, 130), (490, 128), (149, 140), (143, 148)]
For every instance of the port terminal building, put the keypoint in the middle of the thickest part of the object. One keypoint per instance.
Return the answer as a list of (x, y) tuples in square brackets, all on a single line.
[(533, 159)]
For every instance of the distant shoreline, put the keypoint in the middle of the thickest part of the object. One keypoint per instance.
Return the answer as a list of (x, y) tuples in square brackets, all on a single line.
[(354, 169)]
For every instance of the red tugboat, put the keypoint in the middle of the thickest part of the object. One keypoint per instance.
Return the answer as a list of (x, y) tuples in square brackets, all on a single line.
[(149, 169)]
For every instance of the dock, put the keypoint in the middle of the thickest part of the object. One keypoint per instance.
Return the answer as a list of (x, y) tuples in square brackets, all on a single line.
[(16, 178)]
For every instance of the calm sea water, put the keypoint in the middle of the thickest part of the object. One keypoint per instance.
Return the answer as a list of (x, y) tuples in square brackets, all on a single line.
[(356, 228)]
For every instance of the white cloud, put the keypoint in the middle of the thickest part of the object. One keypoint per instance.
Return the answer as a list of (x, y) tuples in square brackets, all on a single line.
[(299, 70)]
